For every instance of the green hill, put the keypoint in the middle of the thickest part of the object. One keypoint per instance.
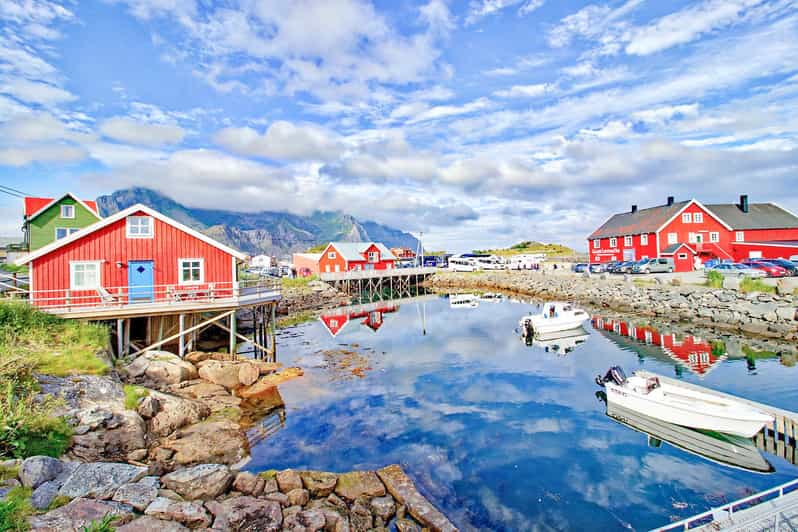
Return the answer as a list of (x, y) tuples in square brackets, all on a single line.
[(530, 246)]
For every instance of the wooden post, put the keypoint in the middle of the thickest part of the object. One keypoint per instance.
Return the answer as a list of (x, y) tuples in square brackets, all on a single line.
[(120, 338), (127, 337), (181, 349), (233, 333)]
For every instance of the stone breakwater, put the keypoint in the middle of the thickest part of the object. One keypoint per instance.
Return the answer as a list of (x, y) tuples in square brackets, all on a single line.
[(758, 314), (217, 497)]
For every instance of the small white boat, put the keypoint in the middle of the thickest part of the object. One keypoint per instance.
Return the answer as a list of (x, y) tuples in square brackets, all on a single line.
[(561, 342), (463, 301), (553, 317), (682, 406)]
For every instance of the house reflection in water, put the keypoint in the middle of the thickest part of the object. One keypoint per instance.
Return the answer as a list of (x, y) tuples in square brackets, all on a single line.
[(696, 354), (372, 316)]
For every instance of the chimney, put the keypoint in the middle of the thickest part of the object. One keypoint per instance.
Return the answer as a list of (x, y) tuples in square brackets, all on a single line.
[(744, 202), (634, 209), (670, 201)]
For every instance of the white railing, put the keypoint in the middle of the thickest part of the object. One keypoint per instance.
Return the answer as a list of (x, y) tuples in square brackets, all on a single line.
[(728, 510), (171, 294), (13, 284)]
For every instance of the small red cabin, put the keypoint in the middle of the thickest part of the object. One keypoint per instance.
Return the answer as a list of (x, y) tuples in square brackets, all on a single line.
[(349, 256), (137, 255)]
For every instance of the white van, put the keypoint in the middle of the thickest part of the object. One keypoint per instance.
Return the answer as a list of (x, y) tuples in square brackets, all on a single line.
[(459, 264)]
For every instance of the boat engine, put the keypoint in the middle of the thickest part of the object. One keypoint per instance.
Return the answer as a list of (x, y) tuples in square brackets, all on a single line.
[(614, 374)]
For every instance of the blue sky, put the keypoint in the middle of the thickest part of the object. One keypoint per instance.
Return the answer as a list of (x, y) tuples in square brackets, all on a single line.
[(479, 122)]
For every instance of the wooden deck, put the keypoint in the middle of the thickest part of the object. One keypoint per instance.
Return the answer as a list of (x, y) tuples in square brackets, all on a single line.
[(399, 281), (354, 275)]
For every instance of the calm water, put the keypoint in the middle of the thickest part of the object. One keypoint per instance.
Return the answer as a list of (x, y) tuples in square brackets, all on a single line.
[(498, 434)]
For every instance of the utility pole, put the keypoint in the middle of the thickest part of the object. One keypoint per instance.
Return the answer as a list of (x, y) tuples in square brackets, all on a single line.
[(420, 249)]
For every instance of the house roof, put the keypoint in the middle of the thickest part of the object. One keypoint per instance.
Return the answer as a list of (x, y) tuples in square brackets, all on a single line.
[(643, 221), (759, 216), (121, 215), (354, 250), (670, 250), (35, 206), (776, 243)]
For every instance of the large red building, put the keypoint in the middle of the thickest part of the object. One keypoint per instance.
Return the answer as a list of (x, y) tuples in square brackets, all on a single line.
[(135, 255), (348, 256), (689, 231)]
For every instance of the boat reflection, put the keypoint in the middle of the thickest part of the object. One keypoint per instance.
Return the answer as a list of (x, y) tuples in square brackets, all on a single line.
[(463, 301), (561, 342), (724, 449), (690, 352)]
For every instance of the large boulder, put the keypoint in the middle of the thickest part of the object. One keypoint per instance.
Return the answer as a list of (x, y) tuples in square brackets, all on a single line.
[(118, 434), (192, 514), (404, 491), (216, 397), (265, 384), (80, 513), (174, 413), (99, 480), (319, 483), (205, 481), (246, 513), (288, 480), (146, 523), (220, 442), (221, 372), (356, 484), (37, 470), (160, 368), (139, 495)]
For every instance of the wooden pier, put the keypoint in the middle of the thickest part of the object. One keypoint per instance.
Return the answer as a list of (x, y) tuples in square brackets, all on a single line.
[(396, 280)]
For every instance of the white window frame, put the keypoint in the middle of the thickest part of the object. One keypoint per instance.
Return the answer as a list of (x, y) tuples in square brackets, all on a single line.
[(687, 218), (627, 241), (673, 238), (73, 285), (137, 234), (739, 236), (374, 257), (68, 212), (180, 267), (597, 243), (714, 237), (67, 230), (332, 255), (644, 239), (698, 217), (682, 256), (691, 238), (613, 242)]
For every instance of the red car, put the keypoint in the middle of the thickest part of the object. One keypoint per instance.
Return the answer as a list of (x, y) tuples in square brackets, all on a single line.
[(772, 270)]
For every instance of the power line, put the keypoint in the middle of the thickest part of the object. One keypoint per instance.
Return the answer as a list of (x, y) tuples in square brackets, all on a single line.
[(11, 193), (15, 190)]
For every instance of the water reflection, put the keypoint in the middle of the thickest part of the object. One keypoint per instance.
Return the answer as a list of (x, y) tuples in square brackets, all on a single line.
[(561, 342)]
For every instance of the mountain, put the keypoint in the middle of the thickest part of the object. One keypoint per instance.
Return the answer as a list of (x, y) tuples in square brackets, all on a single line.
[(272, 233)]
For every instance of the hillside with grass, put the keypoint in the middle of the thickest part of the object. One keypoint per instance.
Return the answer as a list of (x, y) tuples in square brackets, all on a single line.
[(529, 247)]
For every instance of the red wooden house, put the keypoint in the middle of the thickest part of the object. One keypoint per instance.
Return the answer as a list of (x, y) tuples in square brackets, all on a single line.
[(134, 256), (352, 256), (689, 230)]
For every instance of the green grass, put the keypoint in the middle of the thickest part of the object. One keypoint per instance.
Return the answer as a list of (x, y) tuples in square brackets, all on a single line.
[(15, 510), (13, 268), (103, 525), (7, 473), (298, 282), (714, 279), (752, 353), (756, 285), (551, 250), (133, 394), (296, 319)]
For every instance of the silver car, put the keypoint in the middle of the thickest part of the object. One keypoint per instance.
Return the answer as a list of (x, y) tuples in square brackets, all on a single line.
[(663, 265), (735, 269)]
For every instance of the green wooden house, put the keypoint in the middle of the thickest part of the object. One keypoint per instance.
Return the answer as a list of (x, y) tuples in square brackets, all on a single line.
[(49, 219)]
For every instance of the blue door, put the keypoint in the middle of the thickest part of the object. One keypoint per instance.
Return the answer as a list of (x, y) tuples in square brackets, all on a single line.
[(140, 280)]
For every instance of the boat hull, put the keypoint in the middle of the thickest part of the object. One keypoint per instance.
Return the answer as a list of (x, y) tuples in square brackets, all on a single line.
[(745, 426), (548, 326)]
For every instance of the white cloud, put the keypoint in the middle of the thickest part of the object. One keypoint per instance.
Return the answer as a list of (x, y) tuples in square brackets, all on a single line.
[(592, 22), (283, 141), (524, 91), (36, 92), (125, 129), (55, 153), (611, 130), (710, 141), (659, 115), (446, 111), (483, 8)]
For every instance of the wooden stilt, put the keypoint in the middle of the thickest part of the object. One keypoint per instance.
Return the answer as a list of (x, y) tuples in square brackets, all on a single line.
[(127, 337), (120, 338), (233, 331), (181, 343), (183, 331)]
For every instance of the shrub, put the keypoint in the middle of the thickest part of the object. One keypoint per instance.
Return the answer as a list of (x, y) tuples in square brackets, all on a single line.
[(133, 394), (756, 285), (29, 427), (714, 279), (15, 509), (297, 282)]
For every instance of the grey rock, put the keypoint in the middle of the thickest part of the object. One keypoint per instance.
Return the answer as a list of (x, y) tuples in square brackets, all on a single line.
[(288, 480), (80, 513), (298, 497), (246, 513), (278, 497), (192, 514), (147, 523), (148, 407), (100, 479), (205, 481), (355, 484), (360, 516), (37, 470), (319, 483), (137, 456), (249, 484), (151, 481), (383, 507), (137, 495), (44, 495), (407, 525)]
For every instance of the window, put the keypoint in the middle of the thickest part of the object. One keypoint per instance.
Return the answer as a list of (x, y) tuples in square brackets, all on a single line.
[(672, 238), (337, 268), (191, 271), (643, 240), (327, 268), (613, 242), (739, 236), (332, 255), (67, 211), (63, 232), (596, 243), (692, 238), (682, 256), (698, 217), (627, 240), (714, 236), (84, 275), (374, 256), (139, 227), (687, 217)]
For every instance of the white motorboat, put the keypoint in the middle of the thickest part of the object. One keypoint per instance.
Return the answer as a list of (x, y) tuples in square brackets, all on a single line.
[(553, 317), (682, 406), (725, 449), (463, 301)]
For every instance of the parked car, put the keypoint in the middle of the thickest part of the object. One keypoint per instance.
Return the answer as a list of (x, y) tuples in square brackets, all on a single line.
[(794, 258), (736, 269), (624, 267), (791, 267), (611, 266), (663, 265), (771, 270), (597, 267), (580, 267)]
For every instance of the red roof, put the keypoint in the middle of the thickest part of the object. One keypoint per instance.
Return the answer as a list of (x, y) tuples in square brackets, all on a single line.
[(34, 205)]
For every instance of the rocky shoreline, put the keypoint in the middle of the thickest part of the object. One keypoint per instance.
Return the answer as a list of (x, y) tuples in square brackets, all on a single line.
[(161, 444), (760, 315)]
